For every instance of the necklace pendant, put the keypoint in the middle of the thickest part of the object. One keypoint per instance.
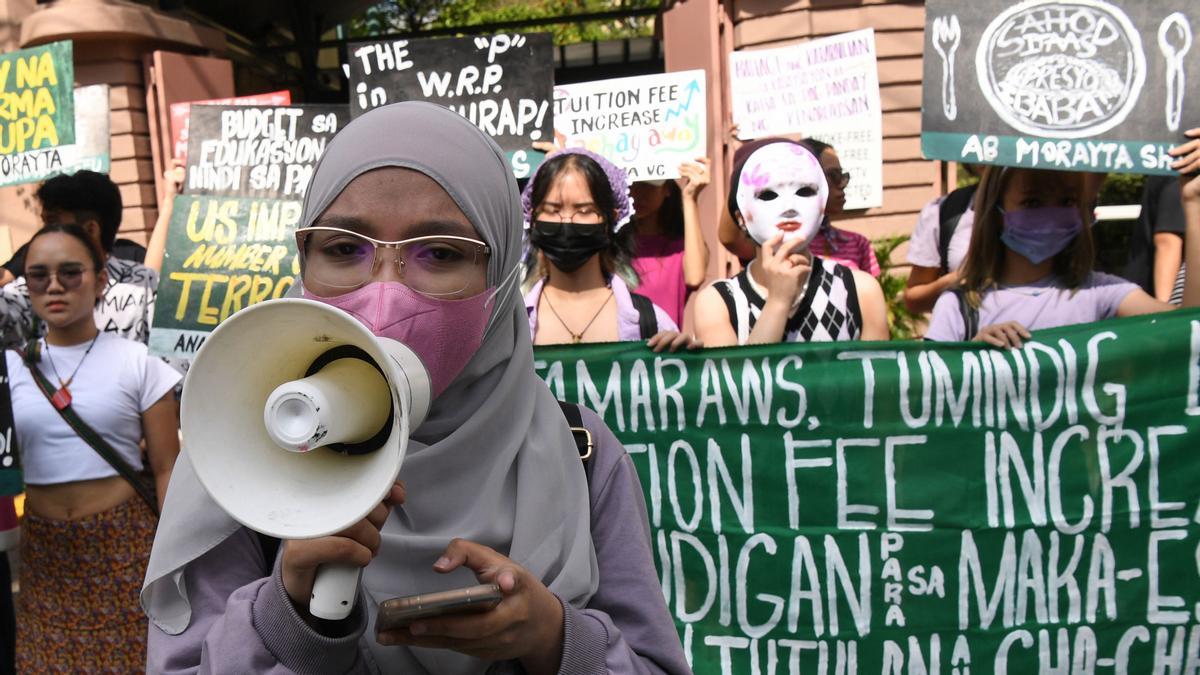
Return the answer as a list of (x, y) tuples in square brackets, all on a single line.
[(61, 398), (576, 339)]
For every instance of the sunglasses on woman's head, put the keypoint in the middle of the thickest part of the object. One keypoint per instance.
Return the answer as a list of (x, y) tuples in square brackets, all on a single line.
[(69, 275)]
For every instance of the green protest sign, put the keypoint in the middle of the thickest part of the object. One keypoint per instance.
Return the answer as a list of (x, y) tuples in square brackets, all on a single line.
[(37, 105), (223, 254), (90, 151), (919, 508)]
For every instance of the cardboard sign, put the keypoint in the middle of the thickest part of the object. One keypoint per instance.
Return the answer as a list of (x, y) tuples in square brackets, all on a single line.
[(181, 113), (923, 508), (223, 254), (647, 125), (258, 151), (10, 459), (1079, 85), (827, 89), (90, 151), (501, 83), (37, 98)]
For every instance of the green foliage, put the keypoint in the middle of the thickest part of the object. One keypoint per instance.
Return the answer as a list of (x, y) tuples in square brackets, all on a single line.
[(964, 178), (902, 324), (1122, 188), (400, 16), (1112, 237)]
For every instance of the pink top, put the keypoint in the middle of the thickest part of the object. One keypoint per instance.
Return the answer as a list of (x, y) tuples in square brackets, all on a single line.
[(659, 266), (847, 248)]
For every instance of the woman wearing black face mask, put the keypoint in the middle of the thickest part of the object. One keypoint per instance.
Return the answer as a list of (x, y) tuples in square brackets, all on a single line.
[(577, 206)]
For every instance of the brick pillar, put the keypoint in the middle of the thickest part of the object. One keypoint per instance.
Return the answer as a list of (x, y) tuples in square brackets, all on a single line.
[(17, 216), (695, 36), (111, 39)]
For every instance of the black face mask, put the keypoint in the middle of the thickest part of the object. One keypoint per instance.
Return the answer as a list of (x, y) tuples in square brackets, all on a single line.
[(566, 245)]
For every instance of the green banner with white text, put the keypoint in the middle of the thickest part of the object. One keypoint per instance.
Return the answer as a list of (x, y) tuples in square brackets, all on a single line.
[(917, 507)]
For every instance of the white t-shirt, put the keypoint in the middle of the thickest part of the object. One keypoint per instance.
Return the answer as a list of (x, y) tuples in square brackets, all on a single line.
[(116, 383), (923, 246)]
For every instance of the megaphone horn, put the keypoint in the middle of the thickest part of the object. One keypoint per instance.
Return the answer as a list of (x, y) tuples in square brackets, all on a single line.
[(302, 415), (296, 419)]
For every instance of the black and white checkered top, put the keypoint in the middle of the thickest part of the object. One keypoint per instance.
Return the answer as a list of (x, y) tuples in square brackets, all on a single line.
[(828, 311)]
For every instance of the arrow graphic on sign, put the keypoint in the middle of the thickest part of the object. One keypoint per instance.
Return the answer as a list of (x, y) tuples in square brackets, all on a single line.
[(692, 90)]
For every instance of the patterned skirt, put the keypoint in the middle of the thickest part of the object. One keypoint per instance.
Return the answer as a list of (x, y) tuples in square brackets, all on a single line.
[(78, 608)]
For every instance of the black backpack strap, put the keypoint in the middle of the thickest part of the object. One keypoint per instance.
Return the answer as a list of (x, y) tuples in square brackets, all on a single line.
[(647, 320), (950, 211), (970, 315), (583, 437)]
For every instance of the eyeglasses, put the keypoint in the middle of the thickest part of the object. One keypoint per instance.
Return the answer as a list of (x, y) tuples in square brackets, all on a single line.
[(434, 265), (838, 178), (584, 215), (69, 276)]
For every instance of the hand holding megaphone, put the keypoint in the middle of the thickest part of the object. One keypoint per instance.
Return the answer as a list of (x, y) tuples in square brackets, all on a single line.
[(352, 548), (296, 419)]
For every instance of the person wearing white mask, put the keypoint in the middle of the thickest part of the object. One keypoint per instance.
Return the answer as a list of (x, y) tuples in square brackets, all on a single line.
[(786, 294)]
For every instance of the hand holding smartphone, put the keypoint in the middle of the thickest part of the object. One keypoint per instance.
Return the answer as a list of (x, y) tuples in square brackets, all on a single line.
[(400, 612)]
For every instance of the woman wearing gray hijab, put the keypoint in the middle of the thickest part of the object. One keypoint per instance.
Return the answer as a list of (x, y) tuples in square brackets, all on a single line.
[(496, 492)]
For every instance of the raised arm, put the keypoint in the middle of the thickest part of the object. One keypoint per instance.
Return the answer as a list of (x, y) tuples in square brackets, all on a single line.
[(157, 246), (1188, 164), (695, 249)]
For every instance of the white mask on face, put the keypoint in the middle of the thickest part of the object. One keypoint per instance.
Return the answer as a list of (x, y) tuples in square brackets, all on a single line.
[(782, 189)]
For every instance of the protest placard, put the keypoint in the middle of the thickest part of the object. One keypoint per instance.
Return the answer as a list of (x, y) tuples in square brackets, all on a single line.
[(827, 89), (1080, 85), (223, 254), (10, 460), (647, 125), (37, 103), (501, 83), (918, 508), (90, 150), (257, 151), (181, 114)]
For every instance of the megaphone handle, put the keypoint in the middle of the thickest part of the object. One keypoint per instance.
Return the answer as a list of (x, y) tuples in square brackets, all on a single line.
[(334, 591)]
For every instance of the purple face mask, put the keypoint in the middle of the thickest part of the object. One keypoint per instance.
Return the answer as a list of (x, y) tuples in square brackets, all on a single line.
[(446, 336), (1041, 233)]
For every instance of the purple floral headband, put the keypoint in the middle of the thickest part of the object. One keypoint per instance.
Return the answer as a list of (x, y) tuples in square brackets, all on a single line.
[(618, 182)]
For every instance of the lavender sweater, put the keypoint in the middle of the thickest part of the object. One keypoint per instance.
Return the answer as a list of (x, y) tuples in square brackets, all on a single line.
[(1041, 304), (243, 622), (628, 326)]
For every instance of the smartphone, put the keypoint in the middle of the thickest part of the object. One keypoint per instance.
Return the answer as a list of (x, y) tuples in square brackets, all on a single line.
[(400, 612)]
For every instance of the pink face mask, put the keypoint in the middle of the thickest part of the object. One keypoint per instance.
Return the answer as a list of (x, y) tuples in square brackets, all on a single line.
[(444, 333)]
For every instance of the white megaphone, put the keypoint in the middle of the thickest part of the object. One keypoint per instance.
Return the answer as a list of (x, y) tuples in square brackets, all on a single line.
[(296, 419)]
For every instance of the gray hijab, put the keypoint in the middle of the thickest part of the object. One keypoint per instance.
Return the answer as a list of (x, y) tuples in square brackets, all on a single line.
[(493, 463)]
